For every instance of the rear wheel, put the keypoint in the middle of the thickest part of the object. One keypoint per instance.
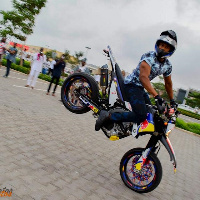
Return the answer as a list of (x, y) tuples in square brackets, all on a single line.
[(86, 85), (144, 180)]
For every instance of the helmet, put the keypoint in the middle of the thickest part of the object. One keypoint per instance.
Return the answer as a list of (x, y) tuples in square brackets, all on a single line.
[(170, 38)]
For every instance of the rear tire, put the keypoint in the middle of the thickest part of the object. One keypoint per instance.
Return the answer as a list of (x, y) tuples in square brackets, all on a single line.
[(145, 180), (88, 87)]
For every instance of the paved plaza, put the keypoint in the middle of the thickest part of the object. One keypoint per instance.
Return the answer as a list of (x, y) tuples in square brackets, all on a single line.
[(48, 153)]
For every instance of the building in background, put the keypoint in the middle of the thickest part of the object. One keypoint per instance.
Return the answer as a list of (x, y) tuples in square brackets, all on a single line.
[(181, 95)]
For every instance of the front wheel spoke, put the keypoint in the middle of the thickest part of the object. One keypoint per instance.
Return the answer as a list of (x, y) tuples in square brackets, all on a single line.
[(140, 178), (140, 183)]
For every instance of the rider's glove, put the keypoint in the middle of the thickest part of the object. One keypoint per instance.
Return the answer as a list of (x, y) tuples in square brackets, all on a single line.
[(173, 104), (159, 100)]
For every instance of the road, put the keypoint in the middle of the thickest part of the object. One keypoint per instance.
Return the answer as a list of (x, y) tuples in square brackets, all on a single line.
[(48, 153)]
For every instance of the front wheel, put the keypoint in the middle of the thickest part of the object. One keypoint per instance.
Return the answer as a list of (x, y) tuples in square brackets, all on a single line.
[(145, 180), (86, 85)]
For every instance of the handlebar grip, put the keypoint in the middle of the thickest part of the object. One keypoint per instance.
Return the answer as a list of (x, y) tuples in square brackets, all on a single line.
[(161, 109)]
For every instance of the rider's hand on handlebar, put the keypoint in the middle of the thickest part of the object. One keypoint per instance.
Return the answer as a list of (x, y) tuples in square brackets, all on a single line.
[(160, 100), (160, 104), (173, 104)]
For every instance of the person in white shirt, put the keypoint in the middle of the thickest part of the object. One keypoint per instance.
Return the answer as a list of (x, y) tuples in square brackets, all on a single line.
[(2, 48), (53, 62), (46, 66), (24, 54), (36, 68), (82, 67)]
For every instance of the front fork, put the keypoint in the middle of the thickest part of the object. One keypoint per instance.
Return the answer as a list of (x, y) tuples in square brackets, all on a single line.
[(151, 146)]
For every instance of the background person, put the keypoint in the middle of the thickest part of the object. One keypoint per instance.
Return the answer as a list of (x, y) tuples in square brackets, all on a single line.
[(82, 67), (51, 67), (57, 71), (46, 66), (36, 68), (24, 55), (12, 52), (2, 49)]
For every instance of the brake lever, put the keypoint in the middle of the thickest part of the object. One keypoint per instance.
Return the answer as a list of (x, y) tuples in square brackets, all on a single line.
[(106, 52)]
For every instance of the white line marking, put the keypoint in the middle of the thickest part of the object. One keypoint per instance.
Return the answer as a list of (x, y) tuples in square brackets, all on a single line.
[(19, 86), (26, 79)]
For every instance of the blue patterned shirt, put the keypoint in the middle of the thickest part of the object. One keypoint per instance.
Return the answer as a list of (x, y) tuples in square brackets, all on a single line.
[(10, 56), (157, 68)]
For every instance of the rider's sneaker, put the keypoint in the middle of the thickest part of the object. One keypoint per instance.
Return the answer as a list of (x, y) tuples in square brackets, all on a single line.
[(103, 116)]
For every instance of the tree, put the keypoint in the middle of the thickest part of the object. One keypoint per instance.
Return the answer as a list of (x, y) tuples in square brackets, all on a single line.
[(51, 54), (19, 22), (160, 89), (78, 55), (67, 54)]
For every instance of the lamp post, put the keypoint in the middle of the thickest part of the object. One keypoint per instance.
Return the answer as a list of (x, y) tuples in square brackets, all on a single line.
[(86, 52)]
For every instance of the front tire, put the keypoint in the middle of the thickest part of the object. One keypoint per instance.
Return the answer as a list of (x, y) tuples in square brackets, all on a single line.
[(87, 86), (145, 180)]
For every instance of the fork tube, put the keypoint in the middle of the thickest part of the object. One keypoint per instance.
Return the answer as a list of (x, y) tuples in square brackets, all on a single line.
[(152, 141)]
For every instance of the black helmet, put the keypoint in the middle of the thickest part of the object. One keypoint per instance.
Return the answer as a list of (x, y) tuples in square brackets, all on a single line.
[(170, 38)]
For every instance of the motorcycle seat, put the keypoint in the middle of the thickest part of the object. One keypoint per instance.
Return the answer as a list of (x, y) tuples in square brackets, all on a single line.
[(120, 79)]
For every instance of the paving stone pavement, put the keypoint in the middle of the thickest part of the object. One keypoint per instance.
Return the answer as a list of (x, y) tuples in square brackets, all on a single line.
[(48, 153)]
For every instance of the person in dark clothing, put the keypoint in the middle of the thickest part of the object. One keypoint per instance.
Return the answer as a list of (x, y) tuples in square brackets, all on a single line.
[(58, 69), (10, 58)]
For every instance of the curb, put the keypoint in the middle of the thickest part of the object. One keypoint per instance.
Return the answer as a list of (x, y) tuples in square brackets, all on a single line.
[(191, 133)]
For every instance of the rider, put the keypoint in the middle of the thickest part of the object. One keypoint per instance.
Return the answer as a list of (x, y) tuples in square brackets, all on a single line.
[(152, 64)]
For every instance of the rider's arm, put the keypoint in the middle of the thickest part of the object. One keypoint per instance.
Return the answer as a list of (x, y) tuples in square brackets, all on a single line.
[(145, 70), (168, 86), (11, 51)]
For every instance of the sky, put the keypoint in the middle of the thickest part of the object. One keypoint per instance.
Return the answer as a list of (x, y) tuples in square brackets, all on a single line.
[(130, 27)]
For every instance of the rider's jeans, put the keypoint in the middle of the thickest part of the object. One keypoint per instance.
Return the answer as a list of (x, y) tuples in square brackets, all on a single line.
[(138, 99)]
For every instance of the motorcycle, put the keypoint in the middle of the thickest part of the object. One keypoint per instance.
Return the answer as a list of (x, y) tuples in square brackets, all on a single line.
[(140, 168)]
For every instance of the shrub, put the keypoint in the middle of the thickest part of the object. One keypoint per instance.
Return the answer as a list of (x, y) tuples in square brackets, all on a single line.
[(20, 68), (27, 64), (192, 127), (189, 113), (44, 77), (4, 61)]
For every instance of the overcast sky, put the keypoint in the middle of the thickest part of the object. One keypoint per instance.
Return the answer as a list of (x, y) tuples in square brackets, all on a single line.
[(130, 27)]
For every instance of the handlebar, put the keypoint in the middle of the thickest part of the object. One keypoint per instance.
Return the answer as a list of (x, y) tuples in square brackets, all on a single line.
[(161, 108), (110, 55), (166, 111)]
